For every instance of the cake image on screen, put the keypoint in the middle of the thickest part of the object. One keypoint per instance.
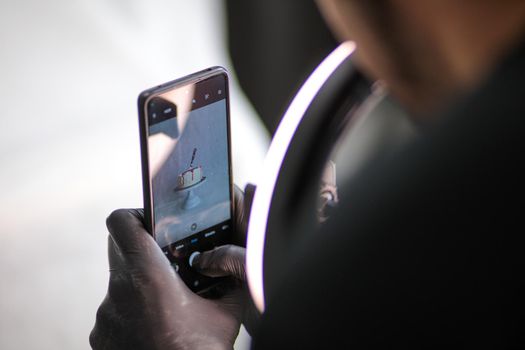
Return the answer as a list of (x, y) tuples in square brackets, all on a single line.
[(191, 185), (191, 176), (187, 180)]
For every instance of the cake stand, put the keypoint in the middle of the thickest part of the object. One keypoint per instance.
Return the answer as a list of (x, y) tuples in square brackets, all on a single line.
[(191, 200)]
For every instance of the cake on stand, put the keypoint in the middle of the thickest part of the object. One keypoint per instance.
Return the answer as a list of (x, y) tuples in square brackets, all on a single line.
[(187, 181)]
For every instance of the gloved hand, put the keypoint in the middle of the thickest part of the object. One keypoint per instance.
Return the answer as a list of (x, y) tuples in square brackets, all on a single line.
[(148, 306), (229, 260)]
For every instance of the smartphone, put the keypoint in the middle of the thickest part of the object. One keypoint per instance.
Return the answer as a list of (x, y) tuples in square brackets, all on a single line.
[(186, 168)]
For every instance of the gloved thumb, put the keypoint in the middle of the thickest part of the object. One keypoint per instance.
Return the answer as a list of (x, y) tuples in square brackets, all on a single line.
[(226, 260)]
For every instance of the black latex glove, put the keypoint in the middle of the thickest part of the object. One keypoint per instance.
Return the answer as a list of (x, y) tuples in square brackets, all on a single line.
[(230, 260), (148, 306)]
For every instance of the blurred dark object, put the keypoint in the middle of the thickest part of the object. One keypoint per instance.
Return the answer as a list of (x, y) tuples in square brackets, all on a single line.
[(274, 46), (425, 248)]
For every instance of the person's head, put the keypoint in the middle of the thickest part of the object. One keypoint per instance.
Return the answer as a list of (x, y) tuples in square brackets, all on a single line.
[(427, 51)]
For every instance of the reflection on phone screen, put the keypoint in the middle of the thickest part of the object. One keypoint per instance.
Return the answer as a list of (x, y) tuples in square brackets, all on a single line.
[(190, 168)]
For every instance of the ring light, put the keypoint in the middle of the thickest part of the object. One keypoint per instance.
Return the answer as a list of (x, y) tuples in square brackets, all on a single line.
[(279, 147)]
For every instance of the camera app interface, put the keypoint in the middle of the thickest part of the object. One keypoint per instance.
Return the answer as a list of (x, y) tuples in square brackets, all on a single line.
[(189, 166)]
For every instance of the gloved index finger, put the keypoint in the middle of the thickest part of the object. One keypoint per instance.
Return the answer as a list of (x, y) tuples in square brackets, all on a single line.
[(134, 255), (226, 260), (128, 232)]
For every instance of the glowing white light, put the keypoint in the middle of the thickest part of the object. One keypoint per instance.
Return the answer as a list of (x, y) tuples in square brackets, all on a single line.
[(272, 164)]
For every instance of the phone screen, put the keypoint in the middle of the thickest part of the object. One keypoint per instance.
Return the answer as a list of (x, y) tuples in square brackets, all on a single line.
[(189, 165)]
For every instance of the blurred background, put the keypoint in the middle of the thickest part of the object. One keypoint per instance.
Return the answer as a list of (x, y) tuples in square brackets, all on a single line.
[(69, 146)]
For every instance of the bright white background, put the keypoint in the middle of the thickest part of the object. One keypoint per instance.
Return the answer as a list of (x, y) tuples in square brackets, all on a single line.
[(70, 72)]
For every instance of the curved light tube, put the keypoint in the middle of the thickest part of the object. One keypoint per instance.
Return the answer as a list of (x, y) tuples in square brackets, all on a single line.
[(272, 164)]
